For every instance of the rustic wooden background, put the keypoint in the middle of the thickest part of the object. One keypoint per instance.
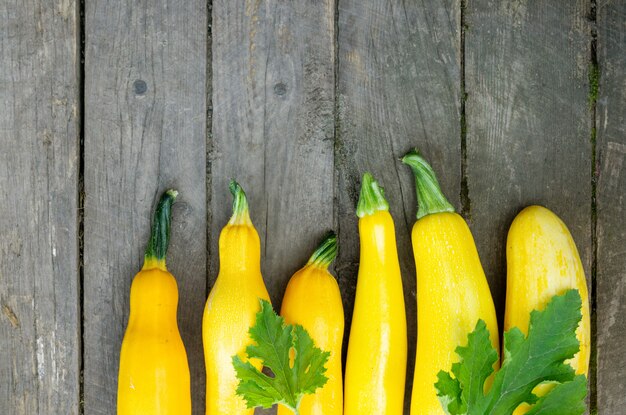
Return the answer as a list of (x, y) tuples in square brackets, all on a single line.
[(105, 104)]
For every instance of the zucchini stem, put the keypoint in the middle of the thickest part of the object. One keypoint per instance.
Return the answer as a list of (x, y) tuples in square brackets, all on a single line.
[(326, 252), (160, 234), (372, 197), (241, 214), (430, 198)]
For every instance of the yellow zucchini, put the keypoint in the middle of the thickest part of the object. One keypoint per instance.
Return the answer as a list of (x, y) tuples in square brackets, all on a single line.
[(313, 300), (231, 308), (542, 261), (377, 349), (154, 373), (452, 291)]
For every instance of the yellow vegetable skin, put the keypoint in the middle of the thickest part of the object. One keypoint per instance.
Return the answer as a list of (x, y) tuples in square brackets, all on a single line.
[(542, 261), (452, 291), (313, 300), (154, 373), (231, 308), (377, 350)]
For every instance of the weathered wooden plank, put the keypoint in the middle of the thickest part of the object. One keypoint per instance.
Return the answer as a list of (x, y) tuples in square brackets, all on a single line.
[(145, 123), (611, 208), (528, 122), (398, 88), (273, 127), (39, 162)]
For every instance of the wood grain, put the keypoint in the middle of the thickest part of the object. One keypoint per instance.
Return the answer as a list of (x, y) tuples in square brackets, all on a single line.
[(398, 88), (39, 163), (528, 122), (611, 208), (145, 123), (273, 127)]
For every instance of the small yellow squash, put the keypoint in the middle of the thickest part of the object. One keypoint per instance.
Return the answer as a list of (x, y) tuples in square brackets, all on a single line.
[(542, 261), (452, 291), (377, 349), (154, 373), (231, 308), (313, 300)]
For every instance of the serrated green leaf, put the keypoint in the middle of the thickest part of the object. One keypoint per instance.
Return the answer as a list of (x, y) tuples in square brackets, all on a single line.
[(254, 386), (528, 361), (541, 356), (274, 343), (309, 360), (565, 399), (476, 363), (513, 340), (449, 394)]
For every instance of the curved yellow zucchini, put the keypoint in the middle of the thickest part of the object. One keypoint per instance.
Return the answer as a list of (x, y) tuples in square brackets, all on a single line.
[(452, 291), (313, 300), (154, 373), (231, 308), (377, 349), (542, 261)]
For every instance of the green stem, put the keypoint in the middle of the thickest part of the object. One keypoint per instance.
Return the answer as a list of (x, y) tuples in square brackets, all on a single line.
[(372, 197), (241, 214), (430, 198), (326, 252), (160, 235)]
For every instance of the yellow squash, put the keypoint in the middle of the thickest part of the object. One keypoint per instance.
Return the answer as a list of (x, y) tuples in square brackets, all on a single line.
[(313, 300), (542, 261), (377, 349), (154, 373), (231, 308), (452, 291)]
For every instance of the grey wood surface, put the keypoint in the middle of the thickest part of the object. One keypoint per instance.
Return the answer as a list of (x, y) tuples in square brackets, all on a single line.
[(295, 100), (398, 88), (39, 164), (145, 131), (528, 122), (611, 208)]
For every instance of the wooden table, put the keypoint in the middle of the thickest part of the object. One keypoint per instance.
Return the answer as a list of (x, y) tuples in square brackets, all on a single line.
[(105, 104)]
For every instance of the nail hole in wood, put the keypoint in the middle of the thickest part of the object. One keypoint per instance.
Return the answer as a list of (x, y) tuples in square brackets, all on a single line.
[(140, 87), (280, 89)]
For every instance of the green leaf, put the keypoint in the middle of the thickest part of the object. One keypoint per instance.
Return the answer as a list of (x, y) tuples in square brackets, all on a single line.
[(565, 399), (449, 394), (477, 360), (274, 345), (528, 361), (474, 367)]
